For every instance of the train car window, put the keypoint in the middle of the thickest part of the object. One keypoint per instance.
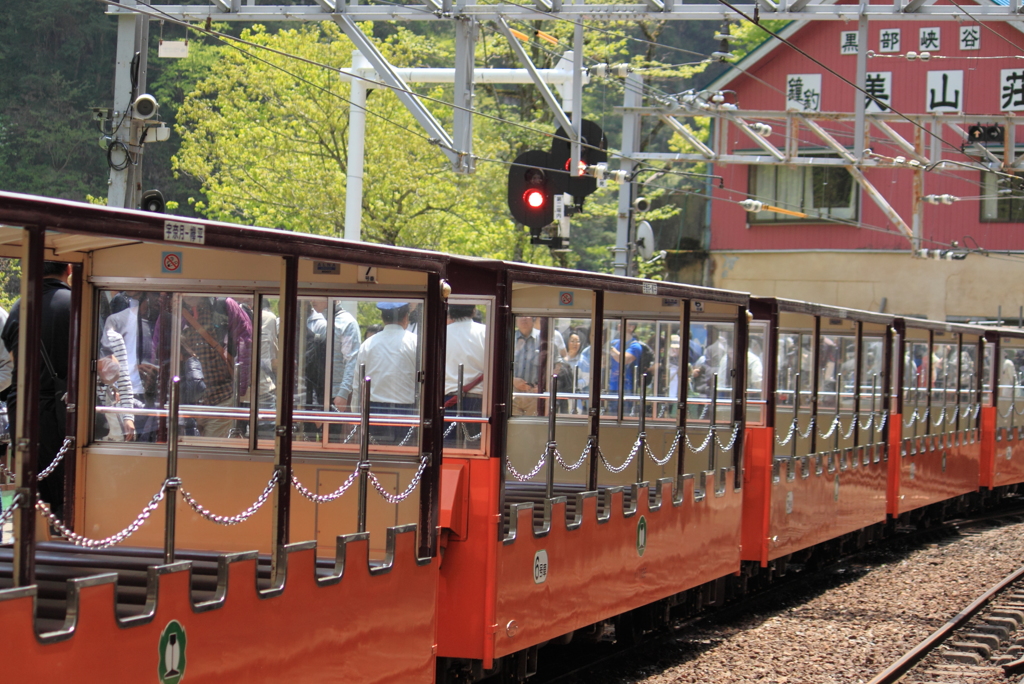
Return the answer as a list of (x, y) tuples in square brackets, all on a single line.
[(986, 373), (711, 377), (466, 373), (871, 378), (215, 340), (944, 374), (916, 373), (1010, 381), (756, 349), (390, 356), (793, 392), (132, 365)]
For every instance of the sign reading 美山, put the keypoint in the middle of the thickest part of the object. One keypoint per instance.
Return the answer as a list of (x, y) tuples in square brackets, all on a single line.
[(944, 91), (803, 92), (878, 91)]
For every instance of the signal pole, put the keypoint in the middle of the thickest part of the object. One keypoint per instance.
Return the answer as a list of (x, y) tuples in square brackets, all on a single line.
[(630, 144), (125, 184)]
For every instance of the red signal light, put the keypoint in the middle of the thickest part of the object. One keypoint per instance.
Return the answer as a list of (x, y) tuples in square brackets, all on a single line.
[(582, 166), (534, 198)]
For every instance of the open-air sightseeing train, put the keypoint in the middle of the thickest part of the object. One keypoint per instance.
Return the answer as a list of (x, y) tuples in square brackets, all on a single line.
[(608, 451)]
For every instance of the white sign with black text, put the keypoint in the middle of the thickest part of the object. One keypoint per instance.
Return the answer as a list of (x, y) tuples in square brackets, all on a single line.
[(944, 91)]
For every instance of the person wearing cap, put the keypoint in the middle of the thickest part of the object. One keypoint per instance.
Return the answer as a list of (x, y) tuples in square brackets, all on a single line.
[(390, 358)]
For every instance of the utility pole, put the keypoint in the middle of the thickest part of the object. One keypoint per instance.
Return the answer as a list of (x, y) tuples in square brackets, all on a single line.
[(125, 152)]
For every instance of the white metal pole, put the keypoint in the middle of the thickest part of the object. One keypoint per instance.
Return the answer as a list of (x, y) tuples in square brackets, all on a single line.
[(356, 152), (630, 142)]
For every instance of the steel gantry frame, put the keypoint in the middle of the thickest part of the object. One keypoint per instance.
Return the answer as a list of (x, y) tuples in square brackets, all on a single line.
[(372, 69)]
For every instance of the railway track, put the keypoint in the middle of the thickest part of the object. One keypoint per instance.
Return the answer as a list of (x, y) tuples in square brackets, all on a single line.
[(595, 662), (980, 642)]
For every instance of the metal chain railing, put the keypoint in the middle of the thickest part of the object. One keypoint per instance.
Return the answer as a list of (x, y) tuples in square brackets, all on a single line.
[(941, 419), (449, 430), (732, 439), (866, 427), (853, 426), (575, 466), (50, 468), (106, 542), (671, 451), (9, 511), (703, 445), (468, 437), (398, 498), (913, 418), (532, 474), (789, 435), (325, 498), (619, 469), (832, 428), (233, 519)]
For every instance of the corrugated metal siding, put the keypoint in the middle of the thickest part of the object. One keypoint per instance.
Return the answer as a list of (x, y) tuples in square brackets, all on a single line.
[(942, 224)]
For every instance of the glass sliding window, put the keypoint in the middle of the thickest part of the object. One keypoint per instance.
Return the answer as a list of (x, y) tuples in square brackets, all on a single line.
[(711, 378), (133, 363), (467, 367)]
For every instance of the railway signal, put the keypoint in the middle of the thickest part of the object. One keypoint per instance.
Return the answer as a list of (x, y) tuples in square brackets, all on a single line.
[(592, 153), (531, 190)]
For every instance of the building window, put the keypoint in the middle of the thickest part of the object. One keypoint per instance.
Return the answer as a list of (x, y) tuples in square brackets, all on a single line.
[(821, 192), (1003, 199)]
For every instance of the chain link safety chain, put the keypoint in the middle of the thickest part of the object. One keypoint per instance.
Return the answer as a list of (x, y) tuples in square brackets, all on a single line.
[(832, 428), (351, 434), (942, 418), (50, 468), (792, 431), (866, 427), (468, 437), (703, 445), (956, 414), (6, 515), (235, 519), (732, 439), (113, 539), (613, 469), (913, 418), (398, 498), (325, 498), (671, 452), (853, 426), (408, 436), (553, 446), (810, 426), (449, 430), (532, 474)]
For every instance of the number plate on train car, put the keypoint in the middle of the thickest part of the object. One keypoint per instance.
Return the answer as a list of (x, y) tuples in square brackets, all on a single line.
[(178, 231)]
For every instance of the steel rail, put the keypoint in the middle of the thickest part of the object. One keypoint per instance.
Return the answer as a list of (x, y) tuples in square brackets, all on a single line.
[(896, 671)]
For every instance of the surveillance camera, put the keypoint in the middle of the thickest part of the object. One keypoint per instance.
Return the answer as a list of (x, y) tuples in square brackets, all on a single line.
[(145, 106), (641, 204)]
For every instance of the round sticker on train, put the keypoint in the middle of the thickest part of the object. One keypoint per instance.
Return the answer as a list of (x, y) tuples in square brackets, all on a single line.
[(641, 536), (540, 567), (171, 650)]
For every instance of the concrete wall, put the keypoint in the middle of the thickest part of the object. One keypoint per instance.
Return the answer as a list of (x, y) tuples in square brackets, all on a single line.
[(976, 286)]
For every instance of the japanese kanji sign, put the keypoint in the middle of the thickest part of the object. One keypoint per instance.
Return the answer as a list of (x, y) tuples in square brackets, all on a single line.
[(803, 92), (929, 39), (970, 37), (847, 42), (944, 91), (889, 40), (1011, 92), (878, 86)]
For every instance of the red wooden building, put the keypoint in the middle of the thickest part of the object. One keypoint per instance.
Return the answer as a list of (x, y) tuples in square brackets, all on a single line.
[(849, 248)]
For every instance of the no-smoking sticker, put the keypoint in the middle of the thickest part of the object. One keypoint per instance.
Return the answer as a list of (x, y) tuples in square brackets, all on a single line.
[(565, 298), (171, 262)]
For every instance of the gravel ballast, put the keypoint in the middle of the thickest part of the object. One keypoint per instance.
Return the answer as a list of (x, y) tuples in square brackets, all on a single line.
[(839, 627)]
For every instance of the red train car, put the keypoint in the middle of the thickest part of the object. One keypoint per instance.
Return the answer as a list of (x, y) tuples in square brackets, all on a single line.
[(1002, 436), (935, 431), (817, 455), (602, 484)]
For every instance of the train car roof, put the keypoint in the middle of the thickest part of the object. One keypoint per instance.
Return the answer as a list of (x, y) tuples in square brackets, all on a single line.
[(82, 228), (941, 326), (824, 310), (550, 275)]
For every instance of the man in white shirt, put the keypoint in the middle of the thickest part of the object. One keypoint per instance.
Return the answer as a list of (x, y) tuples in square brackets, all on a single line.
[(466, 345), (391, 358)]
